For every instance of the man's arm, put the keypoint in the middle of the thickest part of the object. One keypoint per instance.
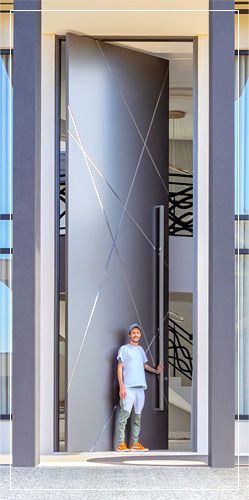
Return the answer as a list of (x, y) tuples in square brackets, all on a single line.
[(122, 391), (156, 371)]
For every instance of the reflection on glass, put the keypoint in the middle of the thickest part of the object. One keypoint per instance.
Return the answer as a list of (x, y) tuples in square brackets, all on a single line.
[(242, 232), (241, 136), (5, 233), (242, 334)]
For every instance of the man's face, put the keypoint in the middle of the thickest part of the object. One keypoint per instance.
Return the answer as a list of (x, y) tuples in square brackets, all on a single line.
[(135, 335)]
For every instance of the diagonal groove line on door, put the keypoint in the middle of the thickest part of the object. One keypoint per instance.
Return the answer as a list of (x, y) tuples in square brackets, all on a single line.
[(130, 113), (104, 427), (139, 161), (86, 155), (107, 264), (157, 333), (120, 260), (84, 337), (113, 191), (122, 215)]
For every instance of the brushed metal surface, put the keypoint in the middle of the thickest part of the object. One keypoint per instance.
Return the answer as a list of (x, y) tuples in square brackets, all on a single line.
[(116, 97)]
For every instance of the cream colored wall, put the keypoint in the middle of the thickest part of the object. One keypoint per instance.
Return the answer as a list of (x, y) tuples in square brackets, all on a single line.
[(134, 23), (6, 24), (181, 21), (242, 31)]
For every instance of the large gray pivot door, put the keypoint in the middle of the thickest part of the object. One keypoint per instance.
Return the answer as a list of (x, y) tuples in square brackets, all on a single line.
[(117, 248)]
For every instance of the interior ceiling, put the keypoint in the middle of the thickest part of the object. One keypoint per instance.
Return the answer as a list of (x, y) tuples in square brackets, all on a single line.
[(180, 56), (180, 21)]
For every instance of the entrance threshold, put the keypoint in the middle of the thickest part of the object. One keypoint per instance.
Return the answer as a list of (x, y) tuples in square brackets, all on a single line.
[(113, 458)]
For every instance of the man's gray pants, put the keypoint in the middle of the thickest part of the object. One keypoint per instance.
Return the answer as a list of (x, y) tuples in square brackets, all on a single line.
[(132, 405)]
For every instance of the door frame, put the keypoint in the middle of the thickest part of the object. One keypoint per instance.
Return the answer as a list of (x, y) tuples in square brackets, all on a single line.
[(118, 38)]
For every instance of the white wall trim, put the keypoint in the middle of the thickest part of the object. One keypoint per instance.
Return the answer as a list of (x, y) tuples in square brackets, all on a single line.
[(47, 241), (242, 437), (203, 244)]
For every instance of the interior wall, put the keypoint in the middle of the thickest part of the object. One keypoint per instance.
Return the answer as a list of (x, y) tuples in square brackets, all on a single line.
[(181, 303), (181, 153), (179, 423), (202, 245), (47, 243), (180, 264)]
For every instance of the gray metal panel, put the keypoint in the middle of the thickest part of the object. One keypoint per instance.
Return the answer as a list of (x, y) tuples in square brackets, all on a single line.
[(221, 237), (103, 82), (26, 268)]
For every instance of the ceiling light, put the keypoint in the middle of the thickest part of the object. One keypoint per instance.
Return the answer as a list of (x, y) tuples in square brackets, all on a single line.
[(175, 114)]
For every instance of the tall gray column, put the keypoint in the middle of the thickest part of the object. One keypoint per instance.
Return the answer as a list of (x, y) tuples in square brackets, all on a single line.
[(221, 236), (26, 199)]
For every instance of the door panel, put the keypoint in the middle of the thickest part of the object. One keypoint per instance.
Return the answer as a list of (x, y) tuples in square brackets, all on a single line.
[(117, 98)]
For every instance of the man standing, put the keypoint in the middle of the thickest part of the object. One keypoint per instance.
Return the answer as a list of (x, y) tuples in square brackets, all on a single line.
[(132, 363)]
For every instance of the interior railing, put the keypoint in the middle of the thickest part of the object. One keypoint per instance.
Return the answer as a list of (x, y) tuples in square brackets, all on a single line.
[(181, 204), (180, 350)]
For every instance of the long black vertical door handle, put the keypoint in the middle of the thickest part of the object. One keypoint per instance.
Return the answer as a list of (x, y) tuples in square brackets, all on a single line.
[(161, 305)]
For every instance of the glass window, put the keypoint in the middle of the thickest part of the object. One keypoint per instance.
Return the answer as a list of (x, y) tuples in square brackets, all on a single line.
[(5, 232), (242, 233), (242, 334), (241, 135)]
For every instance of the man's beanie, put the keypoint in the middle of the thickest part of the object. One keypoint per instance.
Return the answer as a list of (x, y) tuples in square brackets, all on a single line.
[(134, 325)]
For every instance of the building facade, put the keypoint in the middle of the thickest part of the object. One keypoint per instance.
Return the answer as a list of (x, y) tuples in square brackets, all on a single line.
[(101, 184)]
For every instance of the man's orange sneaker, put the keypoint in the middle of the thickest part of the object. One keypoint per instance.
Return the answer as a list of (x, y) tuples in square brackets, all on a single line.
[(122, 447), (138, 447)]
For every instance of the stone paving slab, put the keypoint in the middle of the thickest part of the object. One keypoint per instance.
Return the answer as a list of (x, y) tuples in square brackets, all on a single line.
[(146, 483)]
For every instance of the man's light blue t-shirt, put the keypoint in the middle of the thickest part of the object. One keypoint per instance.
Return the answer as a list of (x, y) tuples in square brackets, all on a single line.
[(133, 359)]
